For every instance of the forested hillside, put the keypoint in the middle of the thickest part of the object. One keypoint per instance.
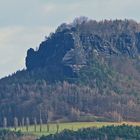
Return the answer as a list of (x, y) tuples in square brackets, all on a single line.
[(85, 71)]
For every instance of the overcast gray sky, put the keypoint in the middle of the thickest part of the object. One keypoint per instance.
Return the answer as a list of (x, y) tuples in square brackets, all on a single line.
[(25, 23)]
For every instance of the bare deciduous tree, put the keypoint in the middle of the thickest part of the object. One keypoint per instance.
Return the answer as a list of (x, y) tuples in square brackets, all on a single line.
[(27, 124), (15, 123), (5, 122), (41, 124), (35, 124), (57, 127), (48, 127), (23, 122)]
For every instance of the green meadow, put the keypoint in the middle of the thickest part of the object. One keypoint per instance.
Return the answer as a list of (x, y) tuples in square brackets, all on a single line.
[(56, 128)]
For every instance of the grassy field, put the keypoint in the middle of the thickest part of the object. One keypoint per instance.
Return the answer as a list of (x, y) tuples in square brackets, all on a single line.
[(71, 126)]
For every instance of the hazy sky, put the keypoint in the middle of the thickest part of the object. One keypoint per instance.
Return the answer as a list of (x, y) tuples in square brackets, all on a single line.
[(25, 23)]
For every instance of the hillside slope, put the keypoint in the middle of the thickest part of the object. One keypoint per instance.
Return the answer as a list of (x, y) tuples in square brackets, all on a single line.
[(86, 70)]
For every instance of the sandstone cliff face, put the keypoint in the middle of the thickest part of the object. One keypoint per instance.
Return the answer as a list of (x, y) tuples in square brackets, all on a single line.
[(69, 48)]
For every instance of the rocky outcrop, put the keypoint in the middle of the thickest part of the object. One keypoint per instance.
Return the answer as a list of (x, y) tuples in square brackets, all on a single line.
[(71, 45)]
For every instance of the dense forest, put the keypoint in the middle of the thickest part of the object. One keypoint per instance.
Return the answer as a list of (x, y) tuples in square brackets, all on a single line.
[(123, 132), (85, 71)]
